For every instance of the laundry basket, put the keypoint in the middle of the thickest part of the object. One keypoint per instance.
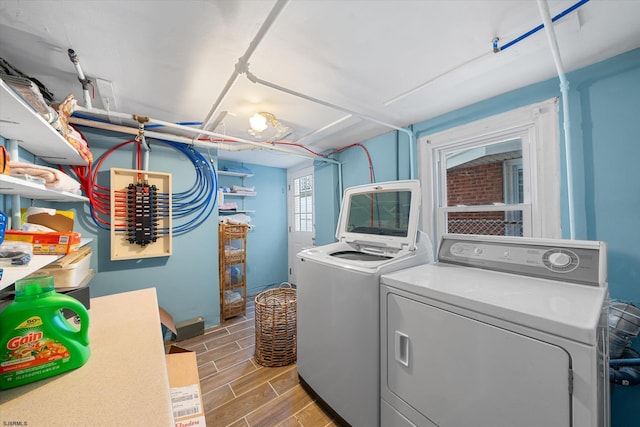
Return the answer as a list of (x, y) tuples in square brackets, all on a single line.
[(276, 326)]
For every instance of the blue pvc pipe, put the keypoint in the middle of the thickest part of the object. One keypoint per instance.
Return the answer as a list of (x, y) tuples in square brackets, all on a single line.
[(497, 48)]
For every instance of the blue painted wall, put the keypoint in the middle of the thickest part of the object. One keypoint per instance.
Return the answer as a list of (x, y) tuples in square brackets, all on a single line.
[(605, 124), (267, 244), (327, 202)]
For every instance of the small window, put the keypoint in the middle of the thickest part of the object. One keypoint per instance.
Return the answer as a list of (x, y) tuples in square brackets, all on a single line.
[(496, 176), (484, 194), (303, 203)]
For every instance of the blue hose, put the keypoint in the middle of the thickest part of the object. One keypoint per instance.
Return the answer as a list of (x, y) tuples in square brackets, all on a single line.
[(197, 202), (200, 200)]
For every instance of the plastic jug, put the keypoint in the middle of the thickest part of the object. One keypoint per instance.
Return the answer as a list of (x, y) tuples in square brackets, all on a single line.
[(36, 341)]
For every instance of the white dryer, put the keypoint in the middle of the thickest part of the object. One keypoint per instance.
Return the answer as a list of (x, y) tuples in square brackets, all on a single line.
[(338, 350), (500, 332)]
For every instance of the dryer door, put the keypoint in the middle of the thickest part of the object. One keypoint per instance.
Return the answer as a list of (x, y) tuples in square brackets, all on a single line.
[(460, 372)]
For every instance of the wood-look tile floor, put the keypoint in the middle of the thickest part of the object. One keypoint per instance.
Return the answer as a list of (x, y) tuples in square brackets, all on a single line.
[(237, 391)]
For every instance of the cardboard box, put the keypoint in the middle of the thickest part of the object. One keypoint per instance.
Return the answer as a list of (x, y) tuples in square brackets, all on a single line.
[(51, 218), (167, 323), (47, 243), (184, 383)]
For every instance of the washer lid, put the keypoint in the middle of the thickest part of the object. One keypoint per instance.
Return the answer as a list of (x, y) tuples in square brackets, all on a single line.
[(381, 216)]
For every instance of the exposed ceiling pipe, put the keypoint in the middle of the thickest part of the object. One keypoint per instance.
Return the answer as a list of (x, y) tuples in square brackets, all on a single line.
[(83, 80), (219, 118), (323, 128), (275, 11), (496, 49), (255, 79), (150, 134), (247, 144), (568, 10), (564, 89), (239, 68), (431, 80)]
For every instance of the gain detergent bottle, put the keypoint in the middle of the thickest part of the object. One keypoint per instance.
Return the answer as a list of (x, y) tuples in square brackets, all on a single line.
[(36, 341)]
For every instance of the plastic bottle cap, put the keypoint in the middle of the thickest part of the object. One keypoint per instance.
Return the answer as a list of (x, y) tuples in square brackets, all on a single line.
[(39, 286), (32, 289)]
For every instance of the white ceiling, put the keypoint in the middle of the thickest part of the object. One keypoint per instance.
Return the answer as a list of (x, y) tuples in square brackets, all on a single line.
[(399, 62)]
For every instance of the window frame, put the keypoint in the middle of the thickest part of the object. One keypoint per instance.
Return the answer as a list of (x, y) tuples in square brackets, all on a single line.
[(537, 126), (306, 211)]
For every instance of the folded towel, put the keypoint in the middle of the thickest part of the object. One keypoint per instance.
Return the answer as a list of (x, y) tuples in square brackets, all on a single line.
[(53, 178), (229, 206), (243, 190), (236, 219), (231, 297)]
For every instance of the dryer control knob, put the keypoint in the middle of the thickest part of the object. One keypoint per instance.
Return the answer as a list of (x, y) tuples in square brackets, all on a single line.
[(559, 259), (478, 251)]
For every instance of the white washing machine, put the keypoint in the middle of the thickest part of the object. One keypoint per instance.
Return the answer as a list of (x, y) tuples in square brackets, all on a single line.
[(338, 296), (500, 332)]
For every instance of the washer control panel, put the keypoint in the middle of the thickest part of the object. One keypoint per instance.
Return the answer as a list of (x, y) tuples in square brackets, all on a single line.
[(574, 261)]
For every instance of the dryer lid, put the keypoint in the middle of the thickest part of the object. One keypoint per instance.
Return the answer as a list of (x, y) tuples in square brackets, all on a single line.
[(382, 215)]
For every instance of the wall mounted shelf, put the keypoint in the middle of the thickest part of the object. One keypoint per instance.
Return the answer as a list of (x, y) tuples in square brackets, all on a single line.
[(234, 178), (235, 211), (34, 190), (20, 122), (239, 195), (238, 174)]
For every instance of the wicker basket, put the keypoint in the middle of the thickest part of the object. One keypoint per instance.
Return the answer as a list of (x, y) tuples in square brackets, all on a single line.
[(276, 326)]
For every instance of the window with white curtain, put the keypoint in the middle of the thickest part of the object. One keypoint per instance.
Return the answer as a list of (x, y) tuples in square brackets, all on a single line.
[(496, 176)]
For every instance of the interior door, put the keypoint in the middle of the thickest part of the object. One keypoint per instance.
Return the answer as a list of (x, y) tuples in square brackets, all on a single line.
[(301, 214)]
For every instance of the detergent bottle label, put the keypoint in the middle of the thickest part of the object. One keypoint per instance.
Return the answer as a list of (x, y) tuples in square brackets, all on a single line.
[(31, 322), (29, 352)]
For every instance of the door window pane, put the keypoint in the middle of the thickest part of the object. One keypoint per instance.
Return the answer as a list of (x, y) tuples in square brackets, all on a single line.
[(303, 203)]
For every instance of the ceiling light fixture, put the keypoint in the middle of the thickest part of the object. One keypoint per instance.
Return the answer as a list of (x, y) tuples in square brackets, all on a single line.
[(259, 122)]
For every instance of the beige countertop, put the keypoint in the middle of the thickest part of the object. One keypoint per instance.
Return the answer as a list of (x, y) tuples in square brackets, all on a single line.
[(124, 382)]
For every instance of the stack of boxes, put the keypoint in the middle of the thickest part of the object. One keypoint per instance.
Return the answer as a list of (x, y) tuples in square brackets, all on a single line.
[(50, 232)]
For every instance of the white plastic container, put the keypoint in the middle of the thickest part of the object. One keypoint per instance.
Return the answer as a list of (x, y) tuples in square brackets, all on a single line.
[(70, 270)]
